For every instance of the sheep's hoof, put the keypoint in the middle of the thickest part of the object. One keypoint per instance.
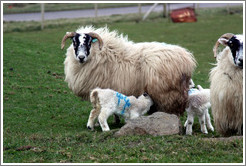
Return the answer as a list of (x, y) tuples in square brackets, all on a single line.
[(212, 129), (188, 132), (105, 130), (89, 127)]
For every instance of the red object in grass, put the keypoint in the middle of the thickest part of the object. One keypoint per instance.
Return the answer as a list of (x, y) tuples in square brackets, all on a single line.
[(183, 15), (10, 6)]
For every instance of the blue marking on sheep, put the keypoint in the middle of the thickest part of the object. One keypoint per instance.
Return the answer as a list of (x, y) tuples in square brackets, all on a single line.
[(126, 99), (94, 40)]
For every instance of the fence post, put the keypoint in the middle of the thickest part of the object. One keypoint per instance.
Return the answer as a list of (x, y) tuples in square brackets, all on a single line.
[(197, 6), (164, 10), (228, 8), (168, 12), (96, 10), (139, 9), (42, 16)]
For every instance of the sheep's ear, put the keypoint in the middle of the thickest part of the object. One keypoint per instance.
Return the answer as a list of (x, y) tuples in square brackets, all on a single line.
[(223, 41)]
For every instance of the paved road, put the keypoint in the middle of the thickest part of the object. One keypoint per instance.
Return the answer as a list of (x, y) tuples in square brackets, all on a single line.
[(103, 12)]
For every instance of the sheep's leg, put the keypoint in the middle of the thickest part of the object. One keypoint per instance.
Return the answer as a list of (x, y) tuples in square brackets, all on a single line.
[(102, 118), (203, 124), (208, 120), (93, 115), (185, 124), (189, 123)]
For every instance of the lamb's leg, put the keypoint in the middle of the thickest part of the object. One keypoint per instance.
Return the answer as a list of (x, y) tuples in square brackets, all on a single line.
[(203, 124), (93, 115), (208, 120), (186, 123), (189, 123), (102, 118)]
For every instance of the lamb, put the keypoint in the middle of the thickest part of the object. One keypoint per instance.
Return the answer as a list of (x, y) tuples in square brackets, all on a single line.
[(100, 58), (198, 105), (107, 102), (227, 85)]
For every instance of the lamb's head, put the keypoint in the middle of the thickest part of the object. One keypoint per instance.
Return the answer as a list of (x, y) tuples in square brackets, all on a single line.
[(235, 43), (146, 98), (82, 44)]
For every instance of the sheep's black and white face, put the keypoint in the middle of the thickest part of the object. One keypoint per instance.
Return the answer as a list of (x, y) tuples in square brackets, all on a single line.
[(236, 45), (82, 45)]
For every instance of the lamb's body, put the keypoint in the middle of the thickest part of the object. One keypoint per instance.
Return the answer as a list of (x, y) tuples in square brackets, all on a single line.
[(107, 102), (227, 95), (198, 105), (128, 67)]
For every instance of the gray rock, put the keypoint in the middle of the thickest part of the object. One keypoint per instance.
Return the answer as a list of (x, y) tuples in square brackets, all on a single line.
[(157, 124)]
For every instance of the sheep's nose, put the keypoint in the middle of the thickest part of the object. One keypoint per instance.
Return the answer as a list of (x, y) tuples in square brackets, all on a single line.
[(81, 59)]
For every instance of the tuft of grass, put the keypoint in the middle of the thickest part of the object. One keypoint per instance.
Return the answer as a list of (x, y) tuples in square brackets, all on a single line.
[(44, 122)]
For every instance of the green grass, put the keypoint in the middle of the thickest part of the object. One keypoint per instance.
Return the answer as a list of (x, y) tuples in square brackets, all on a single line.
[(41, 112)]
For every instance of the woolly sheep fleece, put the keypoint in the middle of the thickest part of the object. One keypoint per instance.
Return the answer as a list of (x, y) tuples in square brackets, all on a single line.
[(227, 95), (128, 67)]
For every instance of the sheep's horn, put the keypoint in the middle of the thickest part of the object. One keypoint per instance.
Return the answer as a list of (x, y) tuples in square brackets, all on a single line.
[(95, 35), (226, 36), (68, 35)]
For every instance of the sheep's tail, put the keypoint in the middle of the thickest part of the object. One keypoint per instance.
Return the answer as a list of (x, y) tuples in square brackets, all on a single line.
[(199, 87), (94, 97)]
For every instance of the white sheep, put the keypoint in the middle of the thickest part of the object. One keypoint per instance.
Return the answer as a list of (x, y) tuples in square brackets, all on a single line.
[(227, 85), (107, 102), (198, 105), (100, 58)]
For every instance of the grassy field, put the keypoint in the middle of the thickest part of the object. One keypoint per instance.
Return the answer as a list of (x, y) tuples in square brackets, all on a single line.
[(44, 122)]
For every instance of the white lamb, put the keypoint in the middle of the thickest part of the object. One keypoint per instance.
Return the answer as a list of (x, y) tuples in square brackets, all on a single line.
[(198, 105), (107, 102)]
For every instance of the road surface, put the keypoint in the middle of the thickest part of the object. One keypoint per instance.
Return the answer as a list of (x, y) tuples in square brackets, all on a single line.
[(104, 12)]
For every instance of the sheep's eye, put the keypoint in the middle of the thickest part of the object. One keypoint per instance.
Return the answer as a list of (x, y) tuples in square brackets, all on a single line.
[(230, 43)]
